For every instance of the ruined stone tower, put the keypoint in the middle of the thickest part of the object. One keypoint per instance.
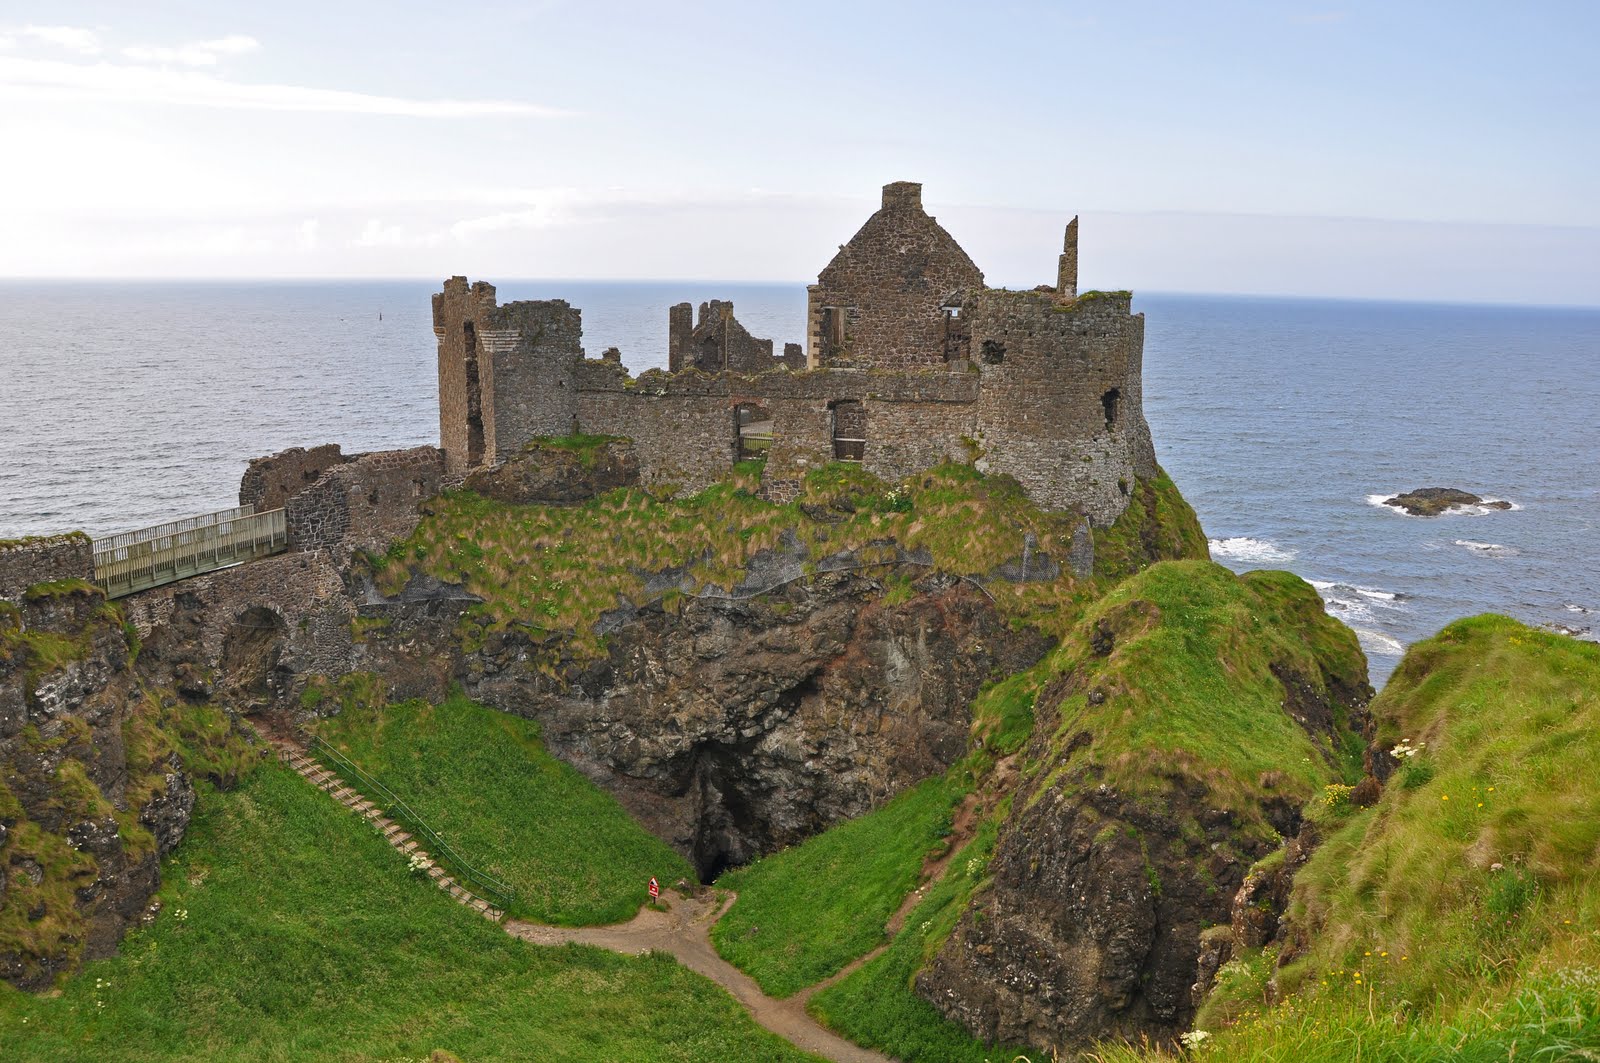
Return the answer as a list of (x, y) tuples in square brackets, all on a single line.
[(505, 372)]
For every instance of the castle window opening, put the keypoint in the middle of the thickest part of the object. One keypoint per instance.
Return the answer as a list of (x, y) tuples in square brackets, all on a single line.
[(957, 336), (832, 329), (994, 352), (849, 430), (753, 428), (469, 344), (1110, 402)]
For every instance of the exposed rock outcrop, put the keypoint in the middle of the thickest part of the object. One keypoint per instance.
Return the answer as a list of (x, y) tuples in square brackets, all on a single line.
[(91, 796), (1432, 501), (1135, 831), (732, 727), (558, 472)]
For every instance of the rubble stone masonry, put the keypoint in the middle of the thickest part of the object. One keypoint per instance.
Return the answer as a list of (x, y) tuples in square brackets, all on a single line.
[(43, 559), (911, 361)]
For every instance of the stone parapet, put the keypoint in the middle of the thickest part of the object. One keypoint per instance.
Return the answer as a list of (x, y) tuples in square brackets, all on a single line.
[(43, 559)]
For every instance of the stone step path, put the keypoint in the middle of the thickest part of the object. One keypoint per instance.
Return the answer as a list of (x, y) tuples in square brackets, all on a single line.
[(683, 929), (309, 768)]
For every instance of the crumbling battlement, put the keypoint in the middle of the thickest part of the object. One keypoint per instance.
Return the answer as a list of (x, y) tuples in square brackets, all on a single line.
[(271, 481), (505, 372), (344, 502), (718, 343), (43, 559), (912, 361), (365, 503)]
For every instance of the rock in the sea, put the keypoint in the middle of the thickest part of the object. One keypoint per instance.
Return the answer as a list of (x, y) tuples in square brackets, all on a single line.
[(1432, 501)]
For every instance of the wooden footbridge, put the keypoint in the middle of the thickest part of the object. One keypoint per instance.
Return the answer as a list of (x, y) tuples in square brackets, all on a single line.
[(134, 561)]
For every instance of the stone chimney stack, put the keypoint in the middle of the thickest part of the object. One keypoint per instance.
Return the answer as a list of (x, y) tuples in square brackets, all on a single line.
[(902, 195), (1067, 270)]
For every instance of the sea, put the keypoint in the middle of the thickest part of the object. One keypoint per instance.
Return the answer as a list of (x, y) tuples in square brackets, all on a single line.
[(1285, 422)]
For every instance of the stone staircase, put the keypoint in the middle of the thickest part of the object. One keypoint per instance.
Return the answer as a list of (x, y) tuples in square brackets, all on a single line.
[(295, 755)]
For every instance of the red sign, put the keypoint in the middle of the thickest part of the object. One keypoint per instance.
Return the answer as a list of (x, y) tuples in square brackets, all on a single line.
[(655, 888)]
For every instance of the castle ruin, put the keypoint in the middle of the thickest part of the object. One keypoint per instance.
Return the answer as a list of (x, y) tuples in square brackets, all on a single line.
[(910, 360)]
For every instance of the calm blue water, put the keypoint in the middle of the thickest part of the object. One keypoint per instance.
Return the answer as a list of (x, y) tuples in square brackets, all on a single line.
[(125, 404)]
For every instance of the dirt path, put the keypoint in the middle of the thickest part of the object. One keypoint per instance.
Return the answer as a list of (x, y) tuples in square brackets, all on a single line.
[(962, 827), (684, 930)]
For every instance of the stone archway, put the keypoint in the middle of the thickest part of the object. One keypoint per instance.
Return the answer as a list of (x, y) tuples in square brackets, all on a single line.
[(250, 671)]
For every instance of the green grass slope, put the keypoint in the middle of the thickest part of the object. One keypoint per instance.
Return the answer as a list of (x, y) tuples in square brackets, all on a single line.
[(805, 912), (483, 780), (1458, 918), (291, 932), (1177, 671), (876, 1005)]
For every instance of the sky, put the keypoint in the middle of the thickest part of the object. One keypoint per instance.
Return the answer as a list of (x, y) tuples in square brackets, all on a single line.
[(1403, 150)]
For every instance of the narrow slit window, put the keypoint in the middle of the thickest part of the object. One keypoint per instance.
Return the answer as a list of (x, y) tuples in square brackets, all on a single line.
[(1111, 402)]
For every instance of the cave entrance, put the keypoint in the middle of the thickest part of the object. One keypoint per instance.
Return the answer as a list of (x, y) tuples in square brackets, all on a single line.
[(252, 650), (753, 428), (849, 430), (1111, 403), (469, 346)]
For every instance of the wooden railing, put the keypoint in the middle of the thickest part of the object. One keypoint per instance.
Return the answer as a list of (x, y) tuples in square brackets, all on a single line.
[(134, 561)]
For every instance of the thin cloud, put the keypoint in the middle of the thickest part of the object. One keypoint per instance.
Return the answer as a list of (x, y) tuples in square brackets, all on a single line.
[(112, 82), (195, 53), (72, 38)]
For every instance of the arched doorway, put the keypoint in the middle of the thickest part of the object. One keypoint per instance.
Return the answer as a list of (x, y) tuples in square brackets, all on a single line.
[(252, 650)]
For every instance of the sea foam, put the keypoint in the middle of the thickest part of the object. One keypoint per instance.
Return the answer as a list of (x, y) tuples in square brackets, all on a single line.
[(1488, 549), (1245, 548)]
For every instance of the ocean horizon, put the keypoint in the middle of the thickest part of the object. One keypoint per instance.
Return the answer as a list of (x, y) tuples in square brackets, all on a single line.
[(1284, 420)]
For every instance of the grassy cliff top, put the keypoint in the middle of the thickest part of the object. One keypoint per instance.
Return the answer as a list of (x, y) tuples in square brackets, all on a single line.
[(1181, 670), (1459, 917), (291, 931), (557, 569), (1481, 855)]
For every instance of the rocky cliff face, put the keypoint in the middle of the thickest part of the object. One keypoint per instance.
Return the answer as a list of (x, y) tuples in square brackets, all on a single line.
[(91, 797), (1192, 715), (733, 727)]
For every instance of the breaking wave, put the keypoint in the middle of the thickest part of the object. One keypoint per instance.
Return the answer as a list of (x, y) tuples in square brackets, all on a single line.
[(1244, 548), (1376, 643), (1488, 549), (1356, 606)]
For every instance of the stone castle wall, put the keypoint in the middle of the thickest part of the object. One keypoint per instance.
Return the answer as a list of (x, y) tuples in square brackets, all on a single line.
[(301, 595), (532, 349), (911, 362), (1061, 404), (685, 425), (365, 503), (43, 559), (271, 481), (889, 284)]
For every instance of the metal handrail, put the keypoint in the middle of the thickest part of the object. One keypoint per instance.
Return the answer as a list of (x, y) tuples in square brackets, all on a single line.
[(149, 557), (502, 895)]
